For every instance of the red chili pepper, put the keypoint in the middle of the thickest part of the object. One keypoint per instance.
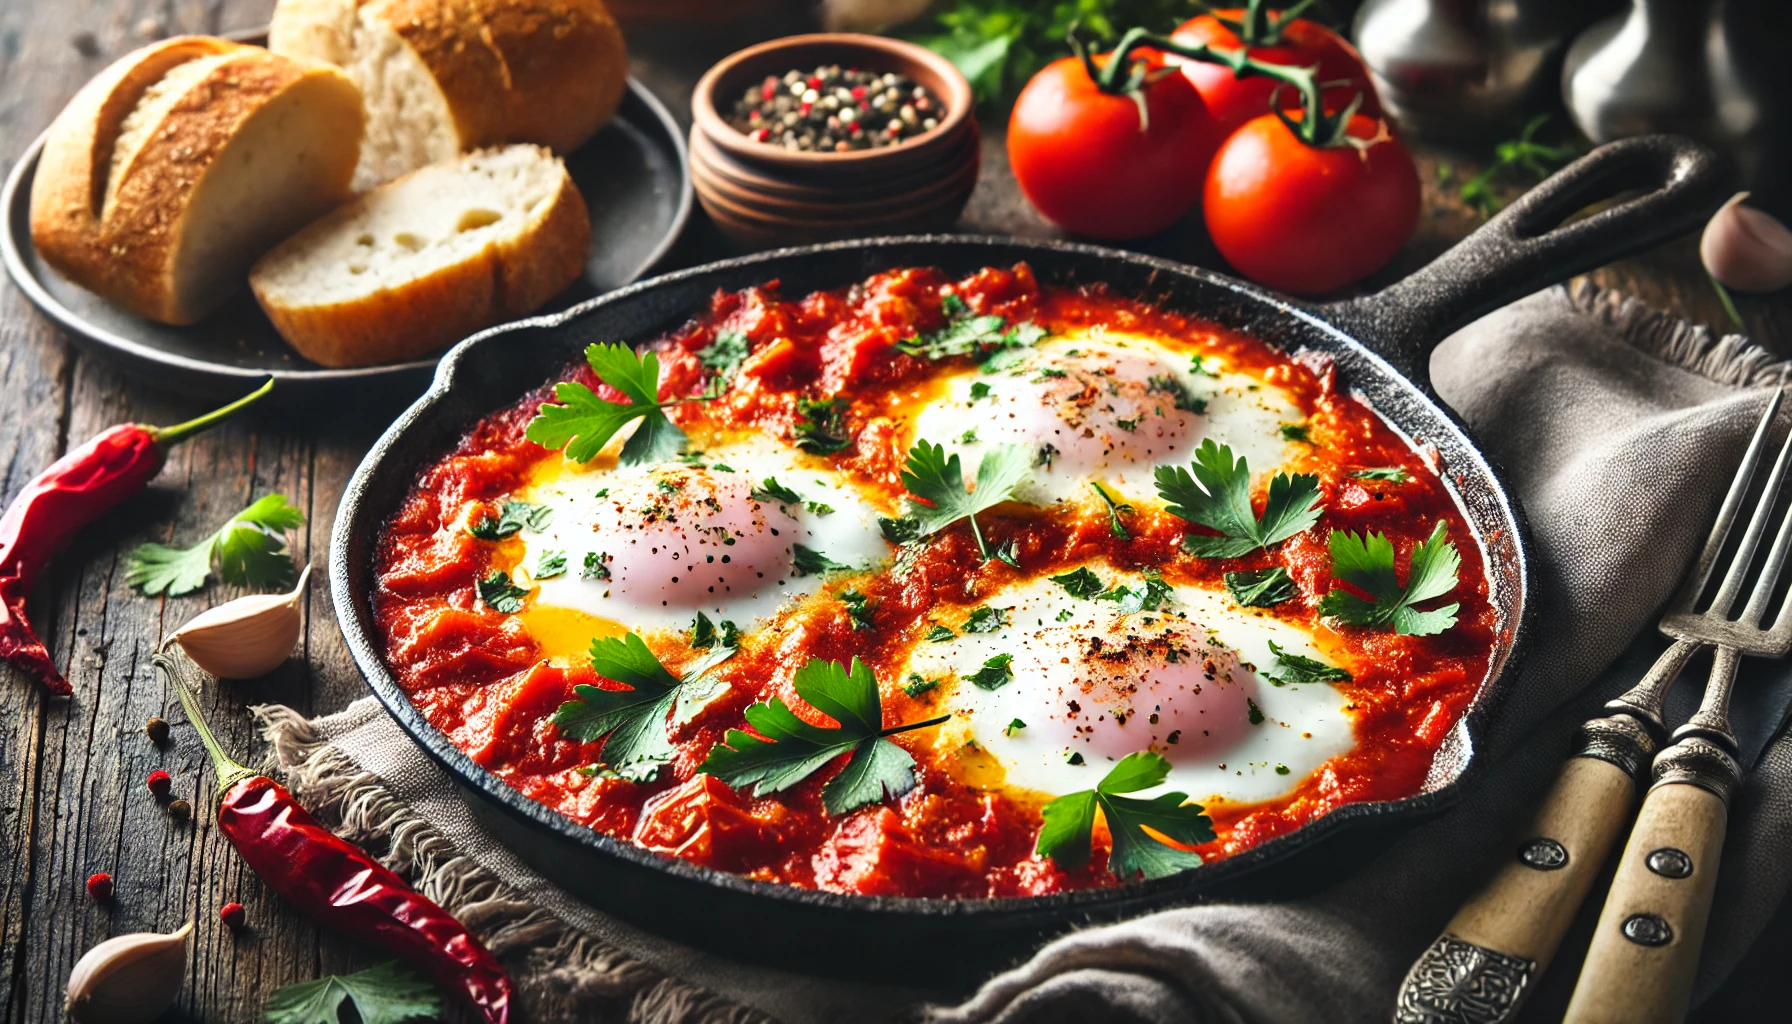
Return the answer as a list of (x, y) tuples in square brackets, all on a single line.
[(77, 489), (336, 882)]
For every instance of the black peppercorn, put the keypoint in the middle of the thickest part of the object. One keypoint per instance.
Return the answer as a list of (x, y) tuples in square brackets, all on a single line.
[(835, 110), (180, 810), (157, 730)]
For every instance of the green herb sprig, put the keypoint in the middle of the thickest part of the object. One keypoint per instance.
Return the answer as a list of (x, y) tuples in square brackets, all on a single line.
[(583, 423), (1069, 821), (250, 551), (1215, 492), (1367, 563)]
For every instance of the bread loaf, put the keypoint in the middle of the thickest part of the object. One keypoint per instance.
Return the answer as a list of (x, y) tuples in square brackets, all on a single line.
[(167, 175), (426, 260), (441, 77)]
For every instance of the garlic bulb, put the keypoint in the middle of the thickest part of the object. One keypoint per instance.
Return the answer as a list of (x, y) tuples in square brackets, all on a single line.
[(131, 979), (244, 638), (1747, 249)]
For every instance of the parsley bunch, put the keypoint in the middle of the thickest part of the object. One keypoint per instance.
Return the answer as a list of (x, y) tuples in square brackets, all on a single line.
[(250, 549), (938, 480), (636, 720), (1367, 563), (1065, 834), (1215, 492), (583, 423), (783, 750)]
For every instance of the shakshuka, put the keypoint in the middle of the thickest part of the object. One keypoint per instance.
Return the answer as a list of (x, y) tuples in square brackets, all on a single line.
[(934, 587)]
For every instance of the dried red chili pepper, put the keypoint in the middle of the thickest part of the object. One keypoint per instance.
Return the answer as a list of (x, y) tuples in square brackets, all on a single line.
[(338, 883), (77, 489)]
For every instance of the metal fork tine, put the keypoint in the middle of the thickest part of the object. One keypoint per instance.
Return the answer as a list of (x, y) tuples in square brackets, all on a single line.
[(1751, 537), (1700, 577), (1770, 573)]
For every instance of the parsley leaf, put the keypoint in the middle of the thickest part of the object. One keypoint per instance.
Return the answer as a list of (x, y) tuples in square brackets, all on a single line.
[(940, 634), (724, 355), (499, 594), (1080, 583), (634, 720), (1012, 727), (250, 549), (859, 608), (1296, 432), (822, 428), (583, 423), (1166, 384), (705, 634), (939, 480), (1260, 588), (512, 517), (771, 490), (1115, 527), (594, 567), (1218, 496), (916, 685), (986, 620), (1297, 668), (386, 994), (984, 338), (1392, 474), (549, 565), (1153, 595), (1367, 563), (788, 750), (996, 673), (806, 561), (1069, 821)]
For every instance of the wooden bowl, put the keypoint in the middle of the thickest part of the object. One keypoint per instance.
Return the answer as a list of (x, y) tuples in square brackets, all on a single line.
[(764, 195)]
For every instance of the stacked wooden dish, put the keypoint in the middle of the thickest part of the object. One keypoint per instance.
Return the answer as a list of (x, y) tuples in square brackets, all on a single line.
[(764, 195)]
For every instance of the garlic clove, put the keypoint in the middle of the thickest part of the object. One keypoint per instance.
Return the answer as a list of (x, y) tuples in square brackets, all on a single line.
[(247, 637), (131, 979), (1747, 249)]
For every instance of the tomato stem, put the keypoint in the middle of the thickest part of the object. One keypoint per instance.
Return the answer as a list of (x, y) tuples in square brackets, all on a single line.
[(1260, 26), (1315, 128)]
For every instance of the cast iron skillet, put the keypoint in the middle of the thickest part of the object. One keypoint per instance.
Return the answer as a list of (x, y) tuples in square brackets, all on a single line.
[(1381, 346)]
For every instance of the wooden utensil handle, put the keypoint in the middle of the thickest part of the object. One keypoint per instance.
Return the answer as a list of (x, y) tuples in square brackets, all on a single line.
[(1492, 951), (1646, 946)]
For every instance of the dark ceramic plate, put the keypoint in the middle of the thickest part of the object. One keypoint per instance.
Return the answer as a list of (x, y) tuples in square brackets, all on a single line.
[(1380, 345), (635, 180)]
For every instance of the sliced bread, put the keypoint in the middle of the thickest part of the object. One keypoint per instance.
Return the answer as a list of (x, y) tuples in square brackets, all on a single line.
[(444, 76), (169, 173), (426, 260)]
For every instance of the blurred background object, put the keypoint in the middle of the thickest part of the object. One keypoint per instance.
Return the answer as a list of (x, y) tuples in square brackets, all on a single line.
[(869, 15), (1468, 70)]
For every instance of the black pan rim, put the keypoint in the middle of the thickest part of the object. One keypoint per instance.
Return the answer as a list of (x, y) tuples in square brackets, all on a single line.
[(1053, 908), (17, 191)]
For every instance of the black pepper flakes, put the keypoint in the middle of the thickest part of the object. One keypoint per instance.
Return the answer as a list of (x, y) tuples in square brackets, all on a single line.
[(835, 110)]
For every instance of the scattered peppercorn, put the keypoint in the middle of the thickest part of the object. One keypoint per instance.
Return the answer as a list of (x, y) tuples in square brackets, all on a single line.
[(99, 886), (159, 782), (157, 730), (180, 810), (836, 110), (233, 915)]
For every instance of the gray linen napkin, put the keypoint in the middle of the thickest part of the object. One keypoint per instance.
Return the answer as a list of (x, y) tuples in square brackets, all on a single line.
[(1619, 429)]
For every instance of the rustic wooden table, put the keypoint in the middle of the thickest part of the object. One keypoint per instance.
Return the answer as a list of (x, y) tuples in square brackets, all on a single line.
[(72, 797)]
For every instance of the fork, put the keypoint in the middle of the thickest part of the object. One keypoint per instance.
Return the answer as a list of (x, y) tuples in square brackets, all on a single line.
[(1488, 958)]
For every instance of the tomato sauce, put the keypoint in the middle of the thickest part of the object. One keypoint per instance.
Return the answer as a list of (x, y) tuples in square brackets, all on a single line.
[(481, 678)]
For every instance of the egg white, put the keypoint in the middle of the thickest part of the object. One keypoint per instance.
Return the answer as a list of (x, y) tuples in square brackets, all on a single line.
[(1067, 691), (1107, 404), (681, 538)]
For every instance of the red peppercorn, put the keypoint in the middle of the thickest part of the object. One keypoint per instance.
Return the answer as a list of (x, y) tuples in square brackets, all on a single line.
[(815, 81), (233, 915), (99, 886), (858, 92), (159, 782)]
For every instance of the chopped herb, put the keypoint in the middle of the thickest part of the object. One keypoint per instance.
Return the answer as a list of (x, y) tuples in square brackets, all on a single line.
[(499, 594), (806, 561), (549, 565), (1296, 432), (724, 356), (1218, 496), (583, 423), (1392, 474), (512, 517), (899, 531), (1367, 563), (1281, 769), (1129, 425), (987, 619), (1253, 712), (1006, 555), (1065, 834), (771, 490), (1075, 758), (822, 429), (1179, 396), (1153, 595), (1296, 668), (1013, 727), (787, 749), (1080, 583), (1260, 588), (250, 549), (938, 480), (968, 437), (819, 508), (858, 608), (979, 390), (706, 634), (916, 686), (940, 634), (1115, 527), (1198, 365), (1050, 373), (995, 673), (1065, 615), (594, 568)]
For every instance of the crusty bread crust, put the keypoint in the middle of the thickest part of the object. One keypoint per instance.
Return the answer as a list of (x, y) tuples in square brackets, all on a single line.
[(503, 281), (127, 250), (550, 72)]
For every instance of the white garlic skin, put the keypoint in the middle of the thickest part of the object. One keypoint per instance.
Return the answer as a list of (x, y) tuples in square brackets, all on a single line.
[(245, 638), (1746, 249), (131, 979)]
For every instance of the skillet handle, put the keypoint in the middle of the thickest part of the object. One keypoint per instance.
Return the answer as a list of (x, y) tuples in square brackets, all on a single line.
[(1527, 246)]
